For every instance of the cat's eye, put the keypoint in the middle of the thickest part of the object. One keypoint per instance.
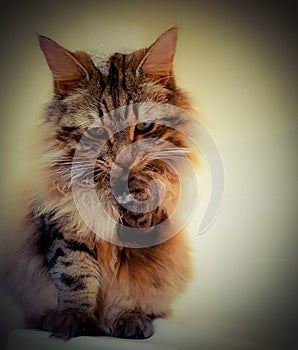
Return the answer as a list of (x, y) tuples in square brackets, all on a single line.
[(142, 128), (98, 133)]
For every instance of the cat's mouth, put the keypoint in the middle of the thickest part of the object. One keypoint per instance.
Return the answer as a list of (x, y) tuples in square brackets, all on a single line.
[(128, 197), (129, 210), (137, 202), (140, 229)]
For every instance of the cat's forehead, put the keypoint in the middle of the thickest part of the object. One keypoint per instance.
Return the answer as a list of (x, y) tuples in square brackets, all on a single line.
[(144, 112), (103, 66), (125, 116)]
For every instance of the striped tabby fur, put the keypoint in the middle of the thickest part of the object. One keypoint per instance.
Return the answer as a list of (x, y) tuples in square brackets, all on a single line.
[(67, 280)]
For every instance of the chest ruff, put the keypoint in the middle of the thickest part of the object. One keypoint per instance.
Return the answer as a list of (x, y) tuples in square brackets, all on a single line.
[(142, 278)]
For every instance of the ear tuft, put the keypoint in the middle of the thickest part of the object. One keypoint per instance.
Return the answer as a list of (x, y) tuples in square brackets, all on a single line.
[(158, 61)]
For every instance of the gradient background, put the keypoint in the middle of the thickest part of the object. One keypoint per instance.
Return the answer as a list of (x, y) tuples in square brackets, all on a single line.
[(239, 62)]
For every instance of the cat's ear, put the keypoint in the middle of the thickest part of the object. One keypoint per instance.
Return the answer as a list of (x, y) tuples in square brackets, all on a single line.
[(157, 63), (68, 69)]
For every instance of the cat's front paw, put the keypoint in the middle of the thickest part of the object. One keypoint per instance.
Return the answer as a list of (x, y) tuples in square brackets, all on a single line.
[(132, 325), (70, 323)]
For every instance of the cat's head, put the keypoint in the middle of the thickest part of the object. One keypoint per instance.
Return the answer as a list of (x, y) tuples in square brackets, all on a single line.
[(108, 117)]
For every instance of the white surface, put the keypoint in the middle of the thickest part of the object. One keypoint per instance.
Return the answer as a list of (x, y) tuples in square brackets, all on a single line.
[(167, 337)]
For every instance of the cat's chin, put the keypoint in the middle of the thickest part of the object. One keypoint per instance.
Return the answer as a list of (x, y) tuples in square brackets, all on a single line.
[(138, 237), (137, 221), (130, 224)]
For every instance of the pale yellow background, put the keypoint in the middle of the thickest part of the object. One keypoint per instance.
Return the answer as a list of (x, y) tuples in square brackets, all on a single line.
[(240, 72)]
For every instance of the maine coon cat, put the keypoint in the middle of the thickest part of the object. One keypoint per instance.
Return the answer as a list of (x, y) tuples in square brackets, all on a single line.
[(68, 279)]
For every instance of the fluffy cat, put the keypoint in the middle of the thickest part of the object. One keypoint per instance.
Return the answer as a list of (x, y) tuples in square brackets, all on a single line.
[(68, 279)]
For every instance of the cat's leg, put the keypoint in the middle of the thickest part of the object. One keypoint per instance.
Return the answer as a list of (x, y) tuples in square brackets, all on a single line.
[(74, 269)]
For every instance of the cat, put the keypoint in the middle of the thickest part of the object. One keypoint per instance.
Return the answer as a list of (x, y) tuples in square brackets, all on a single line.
[(69, 279)]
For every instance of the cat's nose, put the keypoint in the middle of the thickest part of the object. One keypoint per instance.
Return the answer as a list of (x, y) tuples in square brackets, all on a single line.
[(117, 171), (123, 154), (119, 174), (119, 181)]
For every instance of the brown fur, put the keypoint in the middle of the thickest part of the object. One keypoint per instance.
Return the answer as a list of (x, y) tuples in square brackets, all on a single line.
[(67, 279)]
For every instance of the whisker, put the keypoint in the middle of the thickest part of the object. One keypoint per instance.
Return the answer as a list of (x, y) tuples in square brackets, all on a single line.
[(62, 161), (95, 173), (72, 166), (66, 164)]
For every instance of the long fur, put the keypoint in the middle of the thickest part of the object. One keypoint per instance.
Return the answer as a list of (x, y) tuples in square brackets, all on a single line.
[(116, 279)]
